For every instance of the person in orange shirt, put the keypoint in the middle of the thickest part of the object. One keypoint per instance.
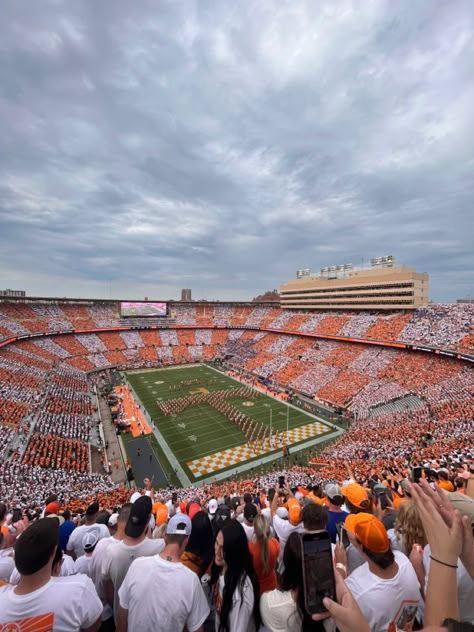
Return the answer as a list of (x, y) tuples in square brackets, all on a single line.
[(444, 482), (160, 511), (264, 550)]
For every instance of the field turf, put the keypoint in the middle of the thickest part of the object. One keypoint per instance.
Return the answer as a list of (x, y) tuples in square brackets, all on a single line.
[(201, 430)]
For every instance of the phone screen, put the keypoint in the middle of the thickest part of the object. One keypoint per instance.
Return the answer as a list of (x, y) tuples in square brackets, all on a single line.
[(416, 474), (16, 515), (342, 533), (318, 571), (383, 501), (281, 481)]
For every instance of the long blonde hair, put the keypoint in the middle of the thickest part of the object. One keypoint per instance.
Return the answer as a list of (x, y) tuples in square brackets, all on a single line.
[(262, 535), (408, 526)]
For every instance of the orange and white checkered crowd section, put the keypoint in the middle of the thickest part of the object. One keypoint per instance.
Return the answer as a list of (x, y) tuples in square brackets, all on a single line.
[(441, 325)]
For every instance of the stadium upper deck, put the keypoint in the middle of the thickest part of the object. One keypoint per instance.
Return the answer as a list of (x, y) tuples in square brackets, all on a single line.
[(443, 326)]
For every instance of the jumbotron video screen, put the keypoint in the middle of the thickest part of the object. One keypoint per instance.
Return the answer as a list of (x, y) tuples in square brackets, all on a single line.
[(133, 309)]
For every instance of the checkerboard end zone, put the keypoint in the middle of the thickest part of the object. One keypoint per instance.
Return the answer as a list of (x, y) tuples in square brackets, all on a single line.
[(234, 456)]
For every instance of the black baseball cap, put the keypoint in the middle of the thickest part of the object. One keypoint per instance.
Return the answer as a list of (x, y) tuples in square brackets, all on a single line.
[(139, 516)]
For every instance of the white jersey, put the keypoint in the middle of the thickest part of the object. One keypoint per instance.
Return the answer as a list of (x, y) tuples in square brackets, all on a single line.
[(179, 602), (283, 528), (387, 603), (75, 539), (118, 560), (95, 572), (64, 604), (82, 565)]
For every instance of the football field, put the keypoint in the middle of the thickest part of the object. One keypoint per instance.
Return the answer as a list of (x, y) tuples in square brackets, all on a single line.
[(204, 440)]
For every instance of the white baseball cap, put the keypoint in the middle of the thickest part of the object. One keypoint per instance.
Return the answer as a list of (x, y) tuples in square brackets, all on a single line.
[(282, 513), (89, 540), (212, 506), (135, 496), (179, 524)]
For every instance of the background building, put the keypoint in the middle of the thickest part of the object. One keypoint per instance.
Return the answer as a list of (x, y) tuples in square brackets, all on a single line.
[(12, 293), (186, 295), (382, 286)]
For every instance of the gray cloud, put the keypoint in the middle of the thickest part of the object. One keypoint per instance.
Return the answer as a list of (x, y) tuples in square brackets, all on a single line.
[(149, 147)]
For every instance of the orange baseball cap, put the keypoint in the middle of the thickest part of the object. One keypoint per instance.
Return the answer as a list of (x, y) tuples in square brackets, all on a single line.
[(355, 494), (294, 511), (369, 531), (52, 508)]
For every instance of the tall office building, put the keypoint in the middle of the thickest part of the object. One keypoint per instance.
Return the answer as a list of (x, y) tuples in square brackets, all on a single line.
[(186, 295)]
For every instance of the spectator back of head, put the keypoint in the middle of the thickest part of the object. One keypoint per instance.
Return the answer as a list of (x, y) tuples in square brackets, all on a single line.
[(36, 546)]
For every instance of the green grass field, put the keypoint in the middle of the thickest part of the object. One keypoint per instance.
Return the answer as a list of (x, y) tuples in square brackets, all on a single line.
[(201, 430)]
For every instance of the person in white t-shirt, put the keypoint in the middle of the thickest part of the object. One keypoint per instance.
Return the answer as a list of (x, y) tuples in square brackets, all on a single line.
[(159, 592), (234, 582), (250, 511), (6, 559), (40, 601), (116, 524), (74, 545), (82, 564), (135, 544), (386, 586), (283, 526)]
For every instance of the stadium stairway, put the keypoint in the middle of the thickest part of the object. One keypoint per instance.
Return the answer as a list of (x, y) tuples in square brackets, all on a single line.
[(118, 473), (409, 402)]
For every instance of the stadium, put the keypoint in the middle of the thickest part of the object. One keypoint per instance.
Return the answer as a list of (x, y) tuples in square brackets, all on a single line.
[(182, 447), (283, 381)]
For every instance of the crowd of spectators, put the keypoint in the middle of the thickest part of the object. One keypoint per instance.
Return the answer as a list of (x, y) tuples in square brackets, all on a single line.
[(71, 426), (230, 557), (57, 452), (132, 339), (6, 436), (28, 486), (91, 342), (441, 325)]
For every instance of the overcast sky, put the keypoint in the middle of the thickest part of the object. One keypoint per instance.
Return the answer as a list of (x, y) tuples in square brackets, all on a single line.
[(149, 146)]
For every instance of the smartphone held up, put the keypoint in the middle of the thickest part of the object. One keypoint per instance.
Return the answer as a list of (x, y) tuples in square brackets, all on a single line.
[(318, 570)]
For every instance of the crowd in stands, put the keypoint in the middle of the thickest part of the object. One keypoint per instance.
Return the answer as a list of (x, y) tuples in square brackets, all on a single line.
[(28, 486), (232, 557), (440, 325), (71, 426), (6, 436), (57, 452)]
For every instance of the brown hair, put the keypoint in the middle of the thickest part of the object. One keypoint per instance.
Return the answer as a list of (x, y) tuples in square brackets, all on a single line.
[(408, 526)]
